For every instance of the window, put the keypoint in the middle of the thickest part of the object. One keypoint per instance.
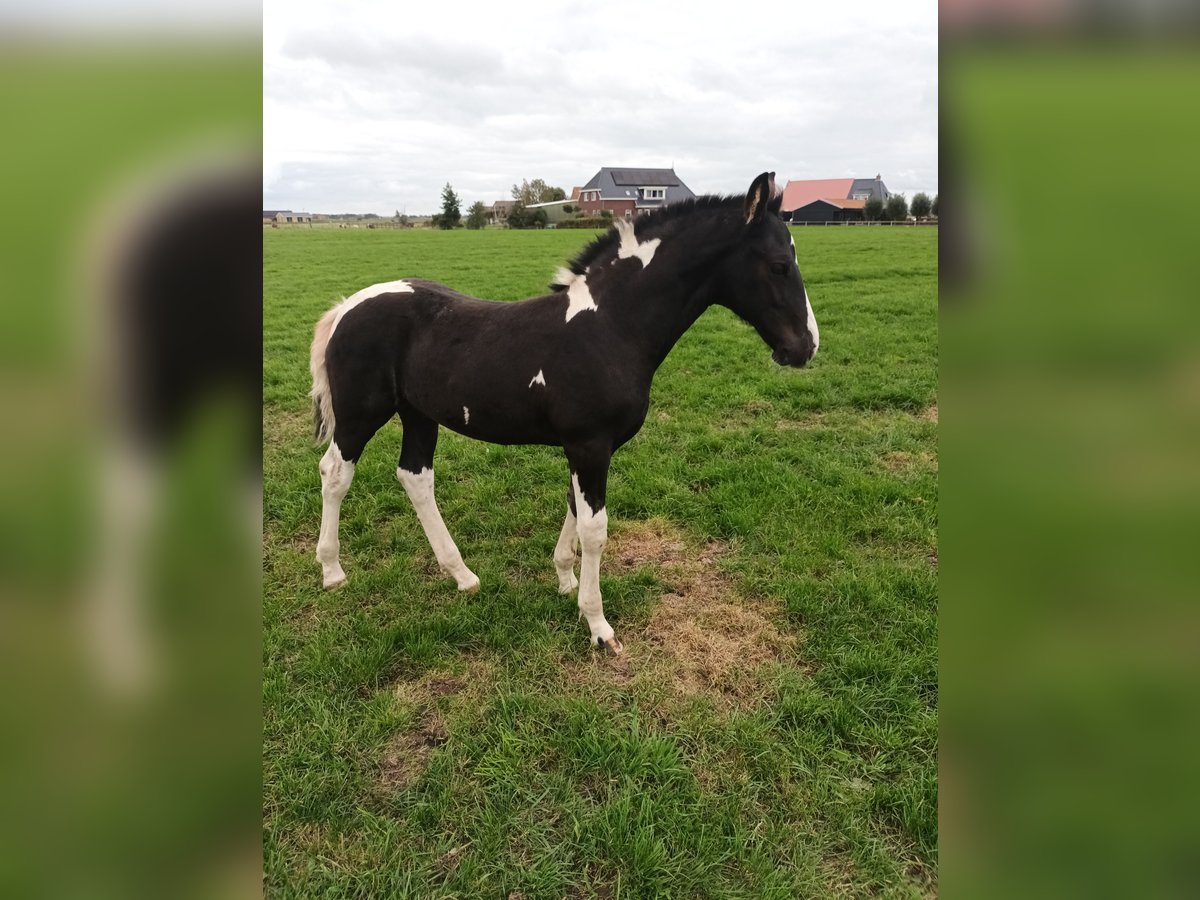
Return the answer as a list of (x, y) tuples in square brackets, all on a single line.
[(654, 193)]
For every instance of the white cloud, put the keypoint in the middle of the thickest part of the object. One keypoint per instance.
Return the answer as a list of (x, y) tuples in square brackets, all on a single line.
[(372, 107)]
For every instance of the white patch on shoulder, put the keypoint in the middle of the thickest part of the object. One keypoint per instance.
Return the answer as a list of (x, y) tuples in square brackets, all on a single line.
[(579, 295), (539, 378), (630, 247), (375, 290), (466, 416)]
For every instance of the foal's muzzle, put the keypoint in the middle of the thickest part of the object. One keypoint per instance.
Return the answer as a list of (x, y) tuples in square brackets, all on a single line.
[(796, 358)]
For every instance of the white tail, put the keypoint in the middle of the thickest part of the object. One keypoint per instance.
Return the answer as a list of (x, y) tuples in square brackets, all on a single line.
[(322, 398)]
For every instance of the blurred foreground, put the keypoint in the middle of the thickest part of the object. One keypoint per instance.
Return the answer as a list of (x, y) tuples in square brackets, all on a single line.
[(1070, 478), (130, 490)]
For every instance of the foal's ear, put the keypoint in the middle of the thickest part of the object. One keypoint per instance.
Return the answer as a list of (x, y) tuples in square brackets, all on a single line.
[(760, 194)]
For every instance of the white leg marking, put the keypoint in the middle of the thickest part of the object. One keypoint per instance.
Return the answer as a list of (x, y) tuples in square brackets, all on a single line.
[(116, 621), (630, 246), (420, 491), (593, 535), (579, 296), (812, 324), (539, 378), (336, 475), (466, 416), (564, 555)]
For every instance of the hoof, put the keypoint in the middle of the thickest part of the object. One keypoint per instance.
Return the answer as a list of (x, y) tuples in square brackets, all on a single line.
[(335, 583), (612, 645), (471, 586), (569, 588)]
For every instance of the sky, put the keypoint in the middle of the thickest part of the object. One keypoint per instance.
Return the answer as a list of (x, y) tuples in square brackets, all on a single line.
[(373, 107)]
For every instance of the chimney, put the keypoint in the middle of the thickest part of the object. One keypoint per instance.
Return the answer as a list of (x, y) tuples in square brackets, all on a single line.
[(877, 178)]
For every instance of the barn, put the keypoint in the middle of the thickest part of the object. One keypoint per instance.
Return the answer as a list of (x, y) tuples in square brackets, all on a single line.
[(828, 209)]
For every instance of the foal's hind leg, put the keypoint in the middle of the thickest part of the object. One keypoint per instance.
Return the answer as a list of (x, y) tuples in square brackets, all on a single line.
[(356, 425), (416, 474), (336, 474)]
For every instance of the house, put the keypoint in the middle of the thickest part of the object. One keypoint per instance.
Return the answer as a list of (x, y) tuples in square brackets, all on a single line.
[(286, 217), (802, 194), (499, 211), (631, 192)]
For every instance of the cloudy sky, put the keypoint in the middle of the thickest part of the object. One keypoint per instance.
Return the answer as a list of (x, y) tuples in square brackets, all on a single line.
[(373, 106)]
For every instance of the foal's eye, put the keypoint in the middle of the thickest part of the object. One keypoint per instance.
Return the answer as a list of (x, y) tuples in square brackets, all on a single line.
[(779, 268)]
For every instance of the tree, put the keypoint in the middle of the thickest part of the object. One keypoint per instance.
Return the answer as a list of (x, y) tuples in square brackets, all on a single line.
[(897, 208), (873, 209), (536, 191), (516, 216), (477, 215), (933, 207), (521, 217), (451, 214), (920, 205)]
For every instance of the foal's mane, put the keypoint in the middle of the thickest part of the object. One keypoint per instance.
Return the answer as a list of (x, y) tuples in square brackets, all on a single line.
[(610, 239)]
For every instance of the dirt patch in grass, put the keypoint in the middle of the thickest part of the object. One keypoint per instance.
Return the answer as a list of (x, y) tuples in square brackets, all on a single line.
[(703, 638), (288, 429), (815, 420), (408, 753), (930, 414), (900, 461), (438, 696), (468, 683)]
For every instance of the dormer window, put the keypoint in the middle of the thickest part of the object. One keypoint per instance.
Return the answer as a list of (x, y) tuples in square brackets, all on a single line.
[(654, 193)]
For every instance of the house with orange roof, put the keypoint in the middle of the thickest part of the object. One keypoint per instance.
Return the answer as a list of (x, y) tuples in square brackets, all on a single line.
[(830, 199)]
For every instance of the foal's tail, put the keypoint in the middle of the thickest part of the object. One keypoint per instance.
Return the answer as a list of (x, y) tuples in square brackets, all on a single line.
[(321, 396)]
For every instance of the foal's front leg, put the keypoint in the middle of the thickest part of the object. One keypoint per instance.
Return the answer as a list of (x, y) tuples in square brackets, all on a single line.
[(415, 472), (568, 543), (589, 480)]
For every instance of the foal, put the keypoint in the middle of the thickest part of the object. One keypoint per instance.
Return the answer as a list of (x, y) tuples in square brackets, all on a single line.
[(571, 368)]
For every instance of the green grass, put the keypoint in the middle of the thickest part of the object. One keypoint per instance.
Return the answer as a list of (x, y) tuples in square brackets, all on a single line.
[(423, 743)]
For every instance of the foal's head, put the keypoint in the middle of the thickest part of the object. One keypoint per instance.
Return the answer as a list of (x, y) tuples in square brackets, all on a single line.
[(761, 279)]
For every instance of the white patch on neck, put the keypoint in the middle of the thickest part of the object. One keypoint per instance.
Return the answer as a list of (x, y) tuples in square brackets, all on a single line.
[(630, 247), (812, 323), (579, 295), (467, 412), (539, 378), (387, 287)]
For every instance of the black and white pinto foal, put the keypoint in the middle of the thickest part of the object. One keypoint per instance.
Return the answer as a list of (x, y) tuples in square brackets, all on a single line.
[(571, 368)]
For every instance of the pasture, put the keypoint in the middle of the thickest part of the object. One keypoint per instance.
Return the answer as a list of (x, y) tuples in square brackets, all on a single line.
[(770, 731)]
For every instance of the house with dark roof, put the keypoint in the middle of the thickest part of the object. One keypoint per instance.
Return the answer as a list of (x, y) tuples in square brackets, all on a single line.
[(498, 214), (286, 217), (627, 193), (830, 199)]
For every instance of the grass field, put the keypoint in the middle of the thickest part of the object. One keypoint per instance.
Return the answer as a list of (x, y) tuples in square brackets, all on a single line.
[(771, 730)]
